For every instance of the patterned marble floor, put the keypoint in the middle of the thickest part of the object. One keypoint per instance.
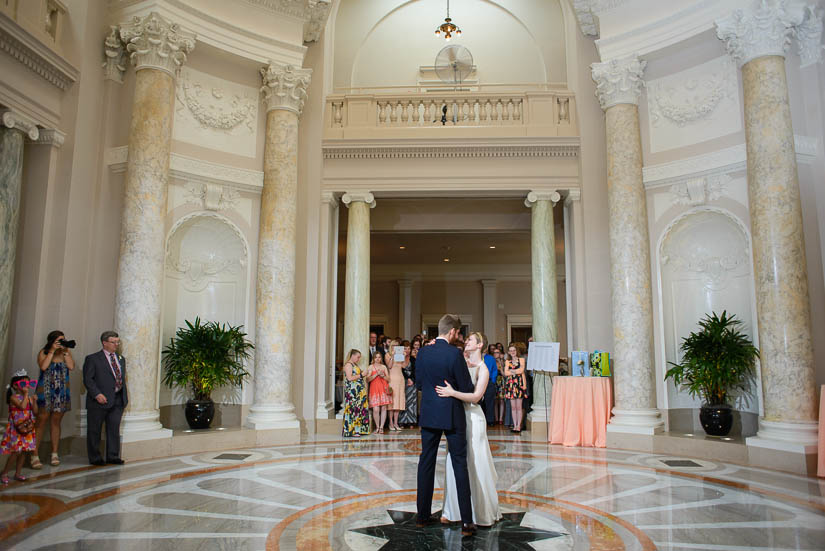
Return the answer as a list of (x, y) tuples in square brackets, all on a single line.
[(360, 495)]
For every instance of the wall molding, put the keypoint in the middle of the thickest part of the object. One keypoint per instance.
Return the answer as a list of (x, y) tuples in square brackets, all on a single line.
[(466, 272), (723, 161), (348, 150), (197, 170), (34, 55)]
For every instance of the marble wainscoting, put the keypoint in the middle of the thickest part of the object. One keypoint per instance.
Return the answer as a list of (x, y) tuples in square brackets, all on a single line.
[(360, 495)]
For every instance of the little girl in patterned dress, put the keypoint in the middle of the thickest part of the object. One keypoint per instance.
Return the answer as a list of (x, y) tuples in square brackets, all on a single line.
[(19, 437)]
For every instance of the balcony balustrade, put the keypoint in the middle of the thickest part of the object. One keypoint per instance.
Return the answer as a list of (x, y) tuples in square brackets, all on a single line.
[(422, 114)]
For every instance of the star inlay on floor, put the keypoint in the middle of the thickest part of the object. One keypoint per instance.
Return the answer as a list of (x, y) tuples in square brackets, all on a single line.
[(507, 534)]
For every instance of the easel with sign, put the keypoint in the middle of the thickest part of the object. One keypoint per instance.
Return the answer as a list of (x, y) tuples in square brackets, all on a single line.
[(543, 357)]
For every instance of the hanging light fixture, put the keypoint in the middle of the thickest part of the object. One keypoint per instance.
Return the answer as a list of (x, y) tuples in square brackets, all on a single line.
[(448, 27)]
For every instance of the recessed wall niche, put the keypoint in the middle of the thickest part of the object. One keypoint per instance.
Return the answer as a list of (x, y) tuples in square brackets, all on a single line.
[(206, 275), (705, 266)]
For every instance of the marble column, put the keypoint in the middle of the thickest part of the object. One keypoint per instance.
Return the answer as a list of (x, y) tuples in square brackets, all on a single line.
[(13, 130), (284, 90), (157, 49), (758, 39), (618, 87), (357, 283), (545, 290)]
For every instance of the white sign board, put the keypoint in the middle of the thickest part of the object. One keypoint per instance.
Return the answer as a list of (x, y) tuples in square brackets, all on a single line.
[(543, 356)]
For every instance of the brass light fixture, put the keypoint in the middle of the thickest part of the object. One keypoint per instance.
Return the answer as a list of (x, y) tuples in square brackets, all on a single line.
[(448, 27)]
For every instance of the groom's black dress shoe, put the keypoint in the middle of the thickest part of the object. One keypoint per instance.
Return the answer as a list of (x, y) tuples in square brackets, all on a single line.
[(468, 529), (422, 522), (115, 461)]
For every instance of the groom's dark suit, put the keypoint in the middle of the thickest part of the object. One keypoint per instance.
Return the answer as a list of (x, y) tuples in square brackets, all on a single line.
[(436, 364)]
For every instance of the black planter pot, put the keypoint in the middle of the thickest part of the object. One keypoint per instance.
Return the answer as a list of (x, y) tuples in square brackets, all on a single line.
[(716, 420), (199, 413)]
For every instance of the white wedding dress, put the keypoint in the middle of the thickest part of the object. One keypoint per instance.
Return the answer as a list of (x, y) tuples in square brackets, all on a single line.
[(480, 467)]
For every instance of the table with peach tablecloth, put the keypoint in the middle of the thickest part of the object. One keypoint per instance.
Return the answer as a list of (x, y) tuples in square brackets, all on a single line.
[(580, 411), (820, 471)]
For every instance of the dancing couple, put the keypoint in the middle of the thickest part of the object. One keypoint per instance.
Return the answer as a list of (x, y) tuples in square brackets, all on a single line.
[(450, 392)]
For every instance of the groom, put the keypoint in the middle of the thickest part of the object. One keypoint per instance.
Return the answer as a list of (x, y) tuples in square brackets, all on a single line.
[(435, 364)]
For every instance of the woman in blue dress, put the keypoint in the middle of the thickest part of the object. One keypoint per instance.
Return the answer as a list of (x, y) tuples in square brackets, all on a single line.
[(53, 395)]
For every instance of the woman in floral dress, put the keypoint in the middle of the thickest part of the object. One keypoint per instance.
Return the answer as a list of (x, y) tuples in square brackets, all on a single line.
[(53, 396), (514, 384), (356, 413)]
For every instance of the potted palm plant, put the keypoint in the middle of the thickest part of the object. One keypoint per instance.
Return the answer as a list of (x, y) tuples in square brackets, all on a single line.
[(716, 360), (203, 356)]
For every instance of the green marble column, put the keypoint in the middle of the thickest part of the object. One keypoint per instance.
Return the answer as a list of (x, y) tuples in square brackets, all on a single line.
[(12, 133), (545, 285)]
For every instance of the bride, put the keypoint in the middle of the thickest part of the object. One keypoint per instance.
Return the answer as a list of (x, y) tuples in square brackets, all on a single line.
[(480, 466)]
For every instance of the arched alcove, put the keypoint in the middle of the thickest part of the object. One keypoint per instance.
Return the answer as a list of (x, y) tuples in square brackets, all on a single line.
[(705, 266), (384, 44), (206, 276)]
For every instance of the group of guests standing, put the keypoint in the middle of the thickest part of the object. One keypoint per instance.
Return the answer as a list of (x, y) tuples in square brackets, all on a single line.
[(37, 404), (386, 387)]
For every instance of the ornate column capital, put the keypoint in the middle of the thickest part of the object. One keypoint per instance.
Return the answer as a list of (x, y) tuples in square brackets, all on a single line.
[(535, 196), (763, 30), (114, 64), (50, 136), (285, 87), (618, 80), (13, 119), (155, 43), (359, 196), (809, 37)]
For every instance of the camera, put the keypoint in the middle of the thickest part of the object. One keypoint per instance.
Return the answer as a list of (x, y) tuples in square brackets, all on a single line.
[(67, 344)]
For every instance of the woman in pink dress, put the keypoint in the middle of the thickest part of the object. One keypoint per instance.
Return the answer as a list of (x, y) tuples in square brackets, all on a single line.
[(378, 378), (399, 399)]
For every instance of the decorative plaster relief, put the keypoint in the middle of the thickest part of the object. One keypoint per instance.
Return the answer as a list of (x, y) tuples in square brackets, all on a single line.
[(697, 191), (809, 37), (704, 251), (204, 248), (695, 105), (216, 113), (212, 197)]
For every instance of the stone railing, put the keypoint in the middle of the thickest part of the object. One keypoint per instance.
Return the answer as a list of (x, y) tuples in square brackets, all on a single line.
[(425, 114)]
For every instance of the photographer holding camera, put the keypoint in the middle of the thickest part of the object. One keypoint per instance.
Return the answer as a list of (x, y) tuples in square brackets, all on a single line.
[(53, 396)]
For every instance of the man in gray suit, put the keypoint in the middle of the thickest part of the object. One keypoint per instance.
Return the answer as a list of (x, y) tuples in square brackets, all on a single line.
[(104, 375)]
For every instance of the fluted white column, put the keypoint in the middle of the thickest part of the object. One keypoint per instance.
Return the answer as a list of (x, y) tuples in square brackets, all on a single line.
[(545, 290), (405, 308), (157, 49), (489, 300), (757, 39), (327, 286), (357, 283), (618, 87), (284, 89), (14, 128)]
